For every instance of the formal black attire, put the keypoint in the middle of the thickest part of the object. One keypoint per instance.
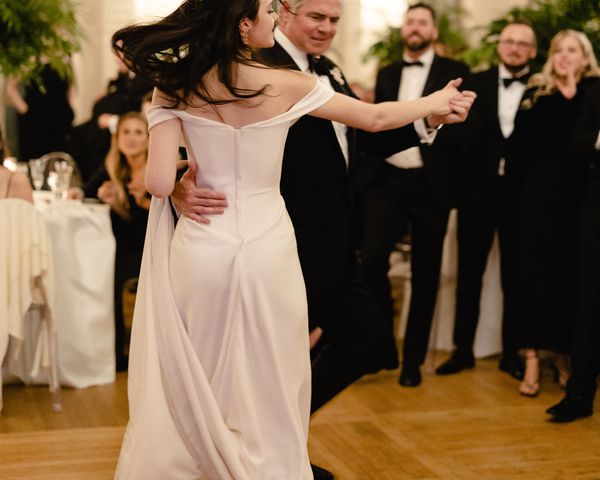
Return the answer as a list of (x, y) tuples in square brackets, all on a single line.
[(45, 126), (89, 144), (486, 206), (319, 191), (129, 236), (585, 351), (422, 197), (548, 205)]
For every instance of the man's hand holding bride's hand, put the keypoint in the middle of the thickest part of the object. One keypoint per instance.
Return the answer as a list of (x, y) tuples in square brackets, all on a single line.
[(457, 106), (194, 202)]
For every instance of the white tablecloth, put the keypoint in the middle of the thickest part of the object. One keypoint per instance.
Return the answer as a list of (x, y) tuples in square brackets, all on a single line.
[(84, 257)]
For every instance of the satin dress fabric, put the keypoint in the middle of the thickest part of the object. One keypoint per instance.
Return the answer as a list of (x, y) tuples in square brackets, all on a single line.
[(219, 374)]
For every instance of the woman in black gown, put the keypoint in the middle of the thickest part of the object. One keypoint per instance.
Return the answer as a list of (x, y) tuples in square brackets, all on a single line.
[(121, 185), (45, 115), (551, 177)]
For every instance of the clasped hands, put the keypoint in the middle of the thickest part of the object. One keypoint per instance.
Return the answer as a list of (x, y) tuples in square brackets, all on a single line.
[(451, 106)]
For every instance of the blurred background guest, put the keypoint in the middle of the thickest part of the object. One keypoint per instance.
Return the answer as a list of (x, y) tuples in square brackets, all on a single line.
[(486, 206), (549, 201), (414, 187), (585, 353), (91, 140), (12, 184), (121, 185), (44, 114)]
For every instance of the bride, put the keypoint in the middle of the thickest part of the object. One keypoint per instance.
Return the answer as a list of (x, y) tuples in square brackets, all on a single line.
[(219, 375)]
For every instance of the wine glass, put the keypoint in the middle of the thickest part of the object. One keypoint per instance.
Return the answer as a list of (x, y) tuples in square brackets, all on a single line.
[(37, 170), (60, 178)]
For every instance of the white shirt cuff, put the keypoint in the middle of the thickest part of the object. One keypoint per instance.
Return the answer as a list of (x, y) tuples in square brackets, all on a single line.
[(598, 142), (426, 135)]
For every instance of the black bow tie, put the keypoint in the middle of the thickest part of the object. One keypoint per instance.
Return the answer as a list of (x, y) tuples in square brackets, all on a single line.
[(317, 65), (509, 81), (418, 63)]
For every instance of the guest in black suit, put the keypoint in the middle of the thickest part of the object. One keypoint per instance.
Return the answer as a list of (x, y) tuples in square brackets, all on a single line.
[(415, 185), (486, 204), (318, 186), (550, 200), (585, 351)]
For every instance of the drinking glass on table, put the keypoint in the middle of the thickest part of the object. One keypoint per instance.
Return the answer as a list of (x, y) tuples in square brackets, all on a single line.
[(60, 178), (37, 170)]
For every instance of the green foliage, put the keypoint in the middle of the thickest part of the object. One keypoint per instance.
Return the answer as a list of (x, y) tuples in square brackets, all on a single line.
[(547, 17), (36, 31)]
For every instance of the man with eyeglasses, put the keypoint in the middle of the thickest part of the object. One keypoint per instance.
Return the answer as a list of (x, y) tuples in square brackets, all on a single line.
[(486, 206)]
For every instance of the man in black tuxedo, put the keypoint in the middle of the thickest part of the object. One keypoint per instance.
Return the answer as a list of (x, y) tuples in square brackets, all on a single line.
[(319, 173), (414, 186), (585, 353), (486, 204)]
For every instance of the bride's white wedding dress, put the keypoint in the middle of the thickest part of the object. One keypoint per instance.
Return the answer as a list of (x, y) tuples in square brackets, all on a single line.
[(219, 374)]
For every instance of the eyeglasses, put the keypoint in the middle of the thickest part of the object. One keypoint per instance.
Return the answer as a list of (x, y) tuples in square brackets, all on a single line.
[(512, 43)]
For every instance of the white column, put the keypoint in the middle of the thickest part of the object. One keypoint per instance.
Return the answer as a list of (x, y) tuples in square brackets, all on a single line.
[(95, 64)]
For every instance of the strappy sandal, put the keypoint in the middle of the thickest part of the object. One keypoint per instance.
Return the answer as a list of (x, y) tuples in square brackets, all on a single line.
[(528, 388)]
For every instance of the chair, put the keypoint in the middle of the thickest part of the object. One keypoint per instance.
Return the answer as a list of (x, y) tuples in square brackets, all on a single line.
[(26, 280)]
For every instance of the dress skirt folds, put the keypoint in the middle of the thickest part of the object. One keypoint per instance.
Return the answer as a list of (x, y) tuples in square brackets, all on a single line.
[(219, 375)]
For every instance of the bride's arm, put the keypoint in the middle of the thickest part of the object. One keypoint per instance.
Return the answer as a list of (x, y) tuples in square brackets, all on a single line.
[(163, 153), (389, 115)]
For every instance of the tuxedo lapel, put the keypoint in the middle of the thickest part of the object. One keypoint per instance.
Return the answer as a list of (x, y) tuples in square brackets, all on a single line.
[(393, 85), (432, 82), (277, 56), (491, 86)]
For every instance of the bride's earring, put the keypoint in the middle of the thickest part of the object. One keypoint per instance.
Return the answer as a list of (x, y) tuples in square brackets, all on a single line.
[(244, 29)]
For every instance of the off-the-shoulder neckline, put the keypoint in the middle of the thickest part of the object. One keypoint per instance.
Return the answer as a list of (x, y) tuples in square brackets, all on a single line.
[(249, 125)]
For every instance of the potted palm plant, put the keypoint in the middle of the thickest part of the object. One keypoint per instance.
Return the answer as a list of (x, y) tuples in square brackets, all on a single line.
[(34, 33)]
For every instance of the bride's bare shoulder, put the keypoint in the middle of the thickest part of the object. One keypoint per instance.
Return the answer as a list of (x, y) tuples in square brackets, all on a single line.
[(290, 83)]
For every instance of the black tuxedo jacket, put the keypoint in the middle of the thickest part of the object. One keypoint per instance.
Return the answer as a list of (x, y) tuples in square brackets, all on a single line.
[(319, 191), (440, 160), (585, 136), (487, 144)]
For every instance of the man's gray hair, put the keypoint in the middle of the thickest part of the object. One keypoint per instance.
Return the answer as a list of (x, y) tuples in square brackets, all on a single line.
[(293, 5)]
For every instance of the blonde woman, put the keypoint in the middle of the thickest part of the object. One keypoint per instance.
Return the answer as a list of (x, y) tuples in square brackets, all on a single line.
[(121, 185), (551, 177)]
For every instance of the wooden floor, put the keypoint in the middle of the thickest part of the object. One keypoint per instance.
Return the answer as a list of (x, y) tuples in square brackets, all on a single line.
[(472, 425)]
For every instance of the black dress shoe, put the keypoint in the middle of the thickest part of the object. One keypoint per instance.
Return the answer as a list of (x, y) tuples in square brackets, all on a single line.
[(410, 376), (513, 365), (456, 363), (571, 408), (320, 473)]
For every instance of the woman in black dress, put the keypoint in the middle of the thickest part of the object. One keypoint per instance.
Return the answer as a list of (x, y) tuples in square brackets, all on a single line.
[(45, 114), (121, 185), (551, 177)]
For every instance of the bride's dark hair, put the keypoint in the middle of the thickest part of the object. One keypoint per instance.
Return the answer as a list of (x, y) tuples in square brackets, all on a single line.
[(177, 52)]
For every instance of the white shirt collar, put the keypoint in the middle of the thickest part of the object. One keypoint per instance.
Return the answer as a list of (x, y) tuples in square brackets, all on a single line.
[(426, 58), (298, 56), (503, 72)]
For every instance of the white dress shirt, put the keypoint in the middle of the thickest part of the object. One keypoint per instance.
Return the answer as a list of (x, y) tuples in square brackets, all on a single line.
[(509, 99), (301, 60), (412, 83)]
